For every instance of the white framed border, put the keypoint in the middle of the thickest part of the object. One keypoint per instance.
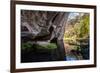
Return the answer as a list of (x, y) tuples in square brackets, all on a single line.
[(20, 65)]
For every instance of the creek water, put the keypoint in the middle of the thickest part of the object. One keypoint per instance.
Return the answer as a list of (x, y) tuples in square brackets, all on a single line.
[(69, 58)]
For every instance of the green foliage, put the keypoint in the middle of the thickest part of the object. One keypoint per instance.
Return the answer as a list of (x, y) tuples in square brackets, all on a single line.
[(79, 29), (30, 46), (25, 46), (84, 27), (48, 46)]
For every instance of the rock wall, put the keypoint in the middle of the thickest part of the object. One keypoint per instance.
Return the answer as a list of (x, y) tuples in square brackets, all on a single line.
[(45, 25)]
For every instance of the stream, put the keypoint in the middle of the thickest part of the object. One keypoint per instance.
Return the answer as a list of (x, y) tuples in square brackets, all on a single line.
[(69, 58)]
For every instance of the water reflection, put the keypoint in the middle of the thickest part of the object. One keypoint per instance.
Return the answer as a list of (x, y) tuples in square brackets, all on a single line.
[(76, 51), (68, 58)]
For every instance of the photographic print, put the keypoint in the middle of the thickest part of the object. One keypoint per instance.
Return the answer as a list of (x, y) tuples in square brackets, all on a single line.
[(47, 36), (44, 32)]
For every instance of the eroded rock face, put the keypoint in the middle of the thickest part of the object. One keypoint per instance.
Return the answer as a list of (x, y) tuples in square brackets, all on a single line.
[(43, 24)]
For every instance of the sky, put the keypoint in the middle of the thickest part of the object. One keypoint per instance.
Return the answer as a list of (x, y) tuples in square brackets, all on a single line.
[(72, 15)]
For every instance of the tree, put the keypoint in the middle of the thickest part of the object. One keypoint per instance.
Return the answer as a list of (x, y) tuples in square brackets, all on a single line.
[(78, 27)]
